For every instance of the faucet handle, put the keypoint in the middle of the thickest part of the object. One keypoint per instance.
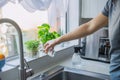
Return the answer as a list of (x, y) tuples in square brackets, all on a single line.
[(26, 64), (42, 76), (29, 72)]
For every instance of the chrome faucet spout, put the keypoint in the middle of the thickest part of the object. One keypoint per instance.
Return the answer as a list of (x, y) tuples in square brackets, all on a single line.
[(22, 69)]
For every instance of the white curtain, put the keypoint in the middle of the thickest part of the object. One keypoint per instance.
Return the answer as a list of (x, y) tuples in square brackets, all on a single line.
[(3, 2), (56, 8), (33, 5)]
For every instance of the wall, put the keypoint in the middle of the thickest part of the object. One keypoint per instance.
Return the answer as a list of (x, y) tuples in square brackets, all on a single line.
[(91, 8)]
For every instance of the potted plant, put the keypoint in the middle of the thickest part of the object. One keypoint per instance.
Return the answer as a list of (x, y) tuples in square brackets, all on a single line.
[(45, 35), (32, 48)]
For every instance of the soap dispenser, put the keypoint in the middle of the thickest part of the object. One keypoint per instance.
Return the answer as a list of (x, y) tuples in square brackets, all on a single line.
[(76, 58)]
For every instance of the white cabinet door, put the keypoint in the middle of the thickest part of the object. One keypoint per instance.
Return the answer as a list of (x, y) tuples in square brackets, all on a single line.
[(91, 8)]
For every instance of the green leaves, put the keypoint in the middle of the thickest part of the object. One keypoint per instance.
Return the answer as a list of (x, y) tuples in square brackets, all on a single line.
[(44, 26), (42, 31), (32, 45), (44, 35), (56, 35)]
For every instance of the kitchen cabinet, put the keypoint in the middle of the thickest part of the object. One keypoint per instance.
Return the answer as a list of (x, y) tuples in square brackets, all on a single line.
[(90, 8)]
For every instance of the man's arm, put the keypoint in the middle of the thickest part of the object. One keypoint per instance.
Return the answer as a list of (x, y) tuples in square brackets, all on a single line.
[(82, 31), (85, 29)]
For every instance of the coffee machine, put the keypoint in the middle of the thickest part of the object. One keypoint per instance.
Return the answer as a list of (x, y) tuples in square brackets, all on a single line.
[(96, 46)]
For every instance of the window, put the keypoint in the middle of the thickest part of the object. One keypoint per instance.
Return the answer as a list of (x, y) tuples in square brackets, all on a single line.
[(73, 17), (8, 43), (28, 22)]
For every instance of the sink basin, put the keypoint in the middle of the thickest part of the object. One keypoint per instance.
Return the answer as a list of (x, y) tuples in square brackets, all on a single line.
[(64, 73)]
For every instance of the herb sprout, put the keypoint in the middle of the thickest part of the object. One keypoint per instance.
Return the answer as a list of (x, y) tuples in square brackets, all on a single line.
[(45, 35)]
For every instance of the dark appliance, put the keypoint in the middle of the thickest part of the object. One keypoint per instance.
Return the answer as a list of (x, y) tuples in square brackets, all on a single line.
[(96, 46)]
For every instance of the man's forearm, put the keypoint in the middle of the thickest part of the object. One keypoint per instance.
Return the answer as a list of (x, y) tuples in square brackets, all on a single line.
[(85, 29), (79, 32)]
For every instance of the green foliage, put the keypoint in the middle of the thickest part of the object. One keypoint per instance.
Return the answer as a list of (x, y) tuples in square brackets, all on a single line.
[(32, 45), (45, 35)]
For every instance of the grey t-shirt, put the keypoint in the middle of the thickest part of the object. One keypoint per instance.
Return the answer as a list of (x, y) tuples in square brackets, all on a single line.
[(112, 11)]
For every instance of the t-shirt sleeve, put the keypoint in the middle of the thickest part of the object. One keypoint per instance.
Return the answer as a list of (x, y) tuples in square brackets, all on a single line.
[(105, 10)]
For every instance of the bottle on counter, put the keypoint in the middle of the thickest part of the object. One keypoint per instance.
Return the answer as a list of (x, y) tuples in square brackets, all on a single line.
[(76, 58)]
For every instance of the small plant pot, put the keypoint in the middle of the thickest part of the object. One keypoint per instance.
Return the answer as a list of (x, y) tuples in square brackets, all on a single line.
[(41, 50), (32, 54)]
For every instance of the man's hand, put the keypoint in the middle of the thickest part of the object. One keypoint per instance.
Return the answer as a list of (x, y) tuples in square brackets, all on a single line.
[(49, 46)]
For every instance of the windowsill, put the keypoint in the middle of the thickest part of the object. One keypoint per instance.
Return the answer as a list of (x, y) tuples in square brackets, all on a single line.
[(15, 63)]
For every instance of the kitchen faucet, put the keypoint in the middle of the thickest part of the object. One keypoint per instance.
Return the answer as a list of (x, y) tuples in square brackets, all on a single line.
[(24, 73)]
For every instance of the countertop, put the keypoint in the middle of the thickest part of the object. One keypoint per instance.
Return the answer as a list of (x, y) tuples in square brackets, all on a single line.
[(89, 65)]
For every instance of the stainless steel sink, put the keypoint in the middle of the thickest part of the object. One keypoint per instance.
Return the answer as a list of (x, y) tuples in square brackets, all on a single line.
[(63, 73)]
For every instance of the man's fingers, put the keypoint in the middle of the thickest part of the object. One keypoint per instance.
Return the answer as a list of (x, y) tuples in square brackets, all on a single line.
[(51, 49), (46, 45)]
